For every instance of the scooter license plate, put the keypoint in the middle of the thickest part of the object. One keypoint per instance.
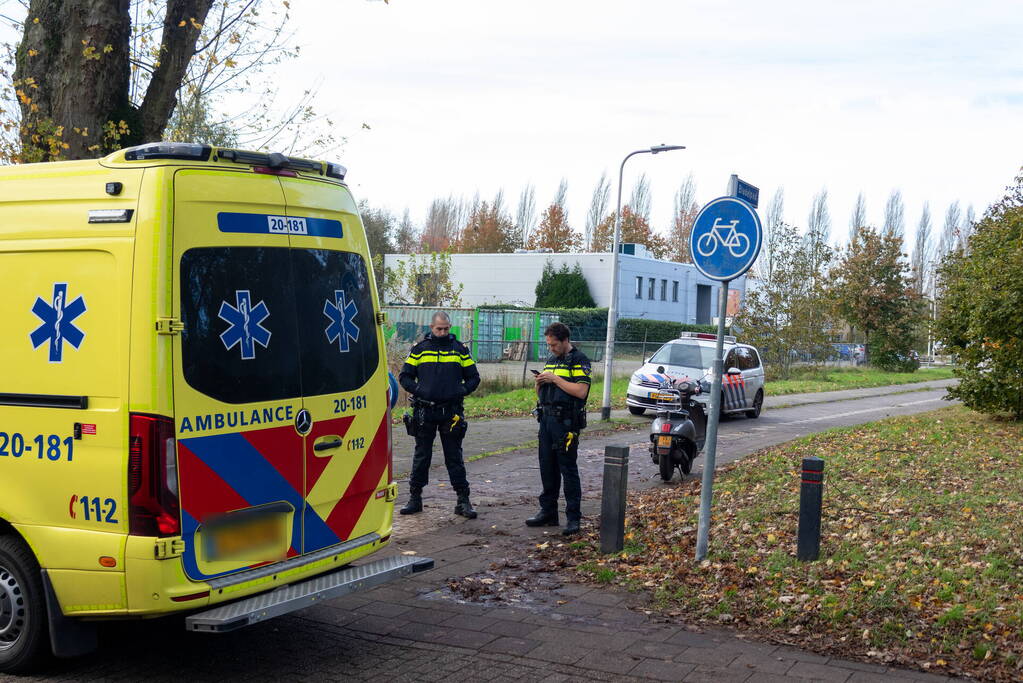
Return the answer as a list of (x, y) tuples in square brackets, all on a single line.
[(664, 441)]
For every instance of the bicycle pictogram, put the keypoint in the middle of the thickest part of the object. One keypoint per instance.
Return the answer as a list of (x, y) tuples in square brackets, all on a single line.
[(727, 236)]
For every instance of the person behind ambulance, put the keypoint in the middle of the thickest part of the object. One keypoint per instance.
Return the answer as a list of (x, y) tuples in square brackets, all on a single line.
[(438, 373), (561, 389)]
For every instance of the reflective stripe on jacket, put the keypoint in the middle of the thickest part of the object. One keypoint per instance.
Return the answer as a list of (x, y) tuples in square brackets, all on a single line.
[(439, 370)]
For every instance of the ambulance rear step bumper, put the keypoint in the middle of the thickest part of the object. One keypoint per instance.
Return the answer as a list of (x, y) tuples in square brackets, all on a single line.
[(298, 596)]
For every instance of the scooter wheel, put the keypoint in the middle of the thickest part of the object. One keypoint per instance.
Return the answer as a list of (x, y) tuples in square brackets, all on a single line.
[(666, 466)]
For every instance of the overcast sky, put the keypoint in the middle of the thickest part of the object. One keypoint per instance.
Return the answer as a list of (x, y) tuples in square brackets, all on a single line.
[(466, 96), (476, 95)]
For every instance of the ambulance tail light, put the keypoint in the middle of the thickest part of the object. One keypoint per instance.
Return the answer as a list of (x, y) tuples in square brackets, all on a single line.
[(152, 477)]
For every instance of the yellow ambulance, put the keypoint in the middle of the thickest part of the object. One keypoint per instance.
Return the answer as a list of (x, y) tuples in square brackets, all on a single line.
[(194, 410)]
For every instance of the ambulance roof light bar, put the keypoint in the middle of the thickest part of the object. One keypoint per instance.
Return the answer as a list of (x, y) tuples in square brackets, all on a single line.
[(168, 150)]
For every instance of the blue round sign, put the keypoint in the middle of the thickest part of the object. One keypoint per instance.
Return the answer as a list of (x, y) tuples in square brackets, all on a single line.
[(726, 238)]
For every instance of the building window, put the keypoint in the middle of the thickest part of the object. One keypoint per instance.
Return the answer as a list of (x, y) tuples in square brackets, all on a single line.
[(664, 290), (639, 286), (650, 289), (674, 290)]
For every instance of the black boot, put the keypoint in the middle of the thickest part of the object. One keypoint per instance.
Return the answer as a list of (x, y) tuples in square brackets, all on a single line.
[(571, 528), (464, 507), (543, 518), (414, 504)]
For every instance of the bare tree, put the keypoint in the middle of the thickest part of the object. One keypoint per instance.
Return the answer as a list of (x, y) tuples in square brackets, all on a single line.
[(859, 216), (684, 217), (640, 200), (406, 237), (443, 223), (969, 222), (894, 216), (525, 217), (950, 233), (561, 196), (922, 264), (775, 218), (599, 204), (818, 233)]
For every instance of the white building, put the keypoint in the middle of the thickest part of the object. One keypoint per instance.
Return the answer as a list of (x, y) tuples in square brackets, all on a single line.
[(648, 288)]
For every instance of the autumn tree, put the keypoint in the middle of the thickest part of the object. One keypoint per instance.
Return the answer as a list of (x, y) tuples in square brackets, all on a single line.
[(443, 222), (635, 228), (554, 232), (489, 230), (525, 215), (858, 218), (774, 223), (873, 290)]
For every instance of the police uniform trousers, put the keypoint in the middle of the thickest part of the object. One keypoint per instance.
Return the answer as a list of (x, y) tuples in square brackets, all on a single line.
[(558, 465), (452, 445)]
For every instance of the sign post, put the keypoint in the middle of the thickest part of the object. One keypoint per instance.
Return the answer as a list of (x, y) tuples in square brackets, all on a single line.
[(724, 244)]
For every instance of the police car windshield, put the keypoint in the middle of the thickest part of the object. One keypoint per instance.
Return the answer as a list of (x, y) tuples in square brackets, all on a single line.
[(686, 355)]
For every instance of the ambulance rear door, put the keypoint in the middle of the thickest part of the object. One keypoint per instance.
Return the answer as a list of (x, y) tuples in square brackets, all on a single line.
[(239, 421), (344, 369)]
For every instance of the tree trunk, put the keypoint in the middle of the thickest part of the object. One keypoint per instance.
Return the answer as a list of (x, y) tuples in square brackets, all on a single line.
[(72, 76), (181, 27)]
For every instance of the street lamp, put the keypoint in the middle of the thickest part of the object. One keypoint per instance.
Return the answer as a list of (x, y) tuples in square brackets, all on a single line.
[(612, 310)]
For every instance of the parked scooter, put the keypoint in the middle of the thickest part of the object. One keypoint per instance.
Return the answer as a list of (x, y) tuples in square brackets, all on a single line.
[(678, 432)]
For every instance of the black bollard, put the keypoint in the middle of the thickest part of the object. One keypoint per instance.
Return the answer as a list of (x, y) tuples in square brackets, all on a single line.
[(612, 501), (811, 497)]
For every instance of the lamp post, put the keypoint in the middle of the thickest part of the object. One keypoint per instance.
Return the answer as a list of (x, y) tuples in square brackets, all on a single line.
[(612, 309)]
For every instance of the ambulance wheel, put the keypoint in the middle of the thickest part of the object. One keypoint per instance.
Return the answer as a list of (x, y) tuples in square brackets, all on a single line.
[(666, 466), (758, 404), (636, 411), (24, 638)]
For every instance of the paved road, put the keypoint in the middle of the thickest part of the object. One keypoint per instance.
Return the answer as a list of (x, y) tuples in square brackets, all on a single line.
[(487, 436), (538, 628)]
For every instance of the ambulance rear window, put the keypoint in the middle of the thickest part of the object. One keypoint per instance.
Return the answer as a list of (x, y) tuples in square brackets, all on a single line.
[(272, 323)]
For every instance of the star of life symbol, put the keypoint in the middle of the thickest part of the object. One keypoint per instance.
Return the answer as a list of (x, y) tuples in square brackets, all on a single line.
[(342, 320), (246, 327), (58, 322)]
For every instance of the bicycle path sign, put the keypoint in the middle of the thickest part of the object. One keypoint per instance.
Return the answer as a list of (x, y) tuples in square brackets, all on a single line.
[(726, 238)]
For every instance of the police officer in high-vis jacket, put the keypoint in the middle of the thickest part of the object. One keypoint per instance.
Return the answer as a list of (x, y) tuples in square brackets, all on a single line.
[(562, 389), (438, 373)]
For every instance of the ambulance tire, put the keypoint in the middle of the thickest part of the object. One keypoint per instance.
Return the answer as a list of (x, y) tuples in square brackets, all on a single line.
[(24, 635)]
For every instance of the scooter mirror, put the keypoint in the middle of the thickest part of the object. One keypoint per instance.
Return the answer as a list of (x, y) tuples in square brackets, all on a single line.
[(660, 368)]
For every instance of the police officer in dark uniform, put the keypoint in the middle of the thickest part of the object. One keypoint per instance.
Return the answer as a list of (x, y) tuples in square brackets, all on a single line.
[(562, 389), (438, 373)]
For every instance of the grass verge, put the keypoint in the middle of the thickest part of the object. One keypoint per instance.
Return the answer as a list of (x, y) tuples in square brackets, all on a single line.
[(518, 402), (920, 564)]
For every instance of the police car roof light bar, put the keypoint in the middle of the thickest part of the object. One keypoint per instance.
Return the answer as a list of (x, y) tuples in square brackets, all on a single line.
[(729, 339)]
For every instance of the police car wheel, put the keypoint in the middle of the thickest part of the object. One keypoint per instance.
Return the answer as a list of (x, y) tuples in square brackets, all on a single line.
[(635, 410), (24, 641), (758, 404)]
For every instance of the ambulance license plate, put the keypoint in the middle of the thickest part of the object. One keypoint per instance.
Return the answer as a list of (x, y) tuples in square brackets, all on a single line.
[(664, 441), (253, 538)]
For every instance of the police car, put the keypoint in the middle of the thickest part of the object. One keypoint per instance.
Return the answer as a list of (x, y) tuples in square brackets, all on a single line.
[(692, 355)]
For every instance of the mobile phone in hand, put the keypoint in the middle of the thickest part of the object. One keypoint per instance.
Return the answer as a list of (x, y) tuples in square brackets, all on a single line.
[(535, 372)]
